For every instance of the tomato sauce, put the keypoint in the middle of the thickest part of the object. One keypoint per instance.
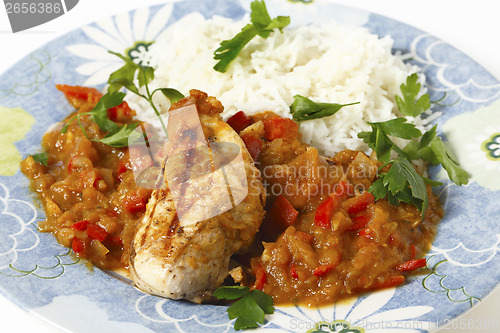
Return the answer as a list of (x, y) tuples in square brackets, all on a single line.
[(88, 189)]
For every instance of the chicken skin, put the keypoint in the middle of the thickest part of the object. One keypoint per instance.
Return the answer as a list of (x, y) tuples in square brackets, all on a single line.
[(209, 206)]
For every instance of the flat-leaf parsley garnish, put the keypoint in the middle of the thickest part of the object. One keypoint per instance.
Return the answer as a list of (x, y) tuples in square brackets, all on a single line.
[(402, 183), (249, 309), (303, 108), (116, 136), (261, 25), (125, 77)]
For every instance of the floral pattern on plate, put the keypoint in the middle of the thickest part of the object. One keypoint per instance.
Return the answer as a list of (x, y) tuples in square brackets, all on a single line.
[(122, 34)]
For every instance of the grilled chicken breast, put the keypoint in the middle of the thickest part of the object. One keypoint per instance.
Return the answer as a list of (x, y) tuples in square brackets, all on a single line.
[(182, 245)]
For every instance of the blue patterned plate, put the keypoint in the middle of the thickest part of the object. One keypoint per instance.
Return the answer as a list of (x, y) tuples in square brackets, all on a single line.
[(40, 275)]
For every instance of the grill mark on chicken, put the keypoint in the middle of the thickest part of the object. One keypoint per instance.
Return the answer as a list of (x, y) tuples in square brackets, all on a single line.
[(190, 261)]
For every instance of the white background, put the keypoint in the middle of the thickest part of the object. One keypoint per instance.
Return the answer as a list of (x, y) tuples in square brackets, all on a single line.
[(471, 26)]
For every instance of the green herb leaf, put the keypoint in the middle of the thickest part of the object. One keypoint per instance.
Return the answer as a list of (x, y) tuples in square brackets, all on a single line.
[(100, 112), (229, 49), (231, 292), (172, 94), (264, 301), (123, 77), (402, 183), (378, 189), (261, 25), (398, 127), (409, 105), (41, 158), (121, 136), (379, 142), (420, 149), (303, 108), (64, 129), (250, 309), (259, 15), (415, 181), (450, 163), (146, 75)]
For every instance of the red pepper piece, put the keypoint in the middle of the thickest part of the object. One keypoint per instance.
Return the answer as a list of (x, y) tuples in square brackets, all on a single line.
[(78, 245), (120, 113), (80, 226), (323, 269), (253, 144), (412, 265), (283, 212), (275, 128), (325, 209), (96, 232), (360, 202), (134, 202), (260, 278), (239, 121), (324, 213), (413, 252), (359, 222), (78, 92)]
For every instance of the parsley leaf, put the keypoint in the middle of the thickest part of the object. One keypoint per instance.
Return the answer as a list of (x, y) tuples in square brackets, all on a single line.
[(378, 139), (449, 162), (420, 149), (231, 292), (172, 94), (41, 158), (120, 136), (409, 105), (403, 175), (261, 25), (100, 112), (250, 309), (303, 108)]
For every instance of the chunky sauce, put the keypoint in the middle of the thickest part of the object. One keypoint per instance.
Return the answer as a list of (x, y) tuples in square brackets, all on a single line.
[(325, 237), (87, 189)]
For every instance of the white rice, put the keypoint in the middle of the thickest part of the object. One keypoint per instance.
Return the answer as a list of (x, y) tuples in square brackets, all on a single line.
[(333, 63)]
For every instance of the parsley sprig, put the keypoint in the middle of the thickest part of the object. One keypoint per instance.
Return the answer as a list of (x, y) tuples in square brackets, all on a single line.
[(402, 183), (124, 77), (116, 136), (261, 24), (250, 308)]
